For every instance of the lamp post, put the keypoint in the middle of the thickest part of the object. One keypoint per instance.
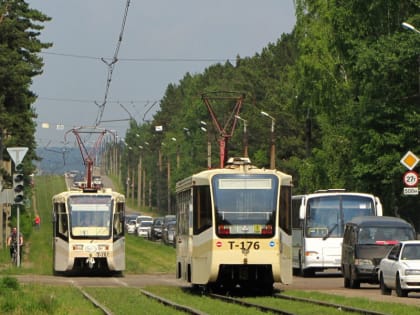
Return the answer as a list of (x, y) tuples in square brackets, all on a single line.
[(273, 148), (245, 137), (204, 128), (410, 27)]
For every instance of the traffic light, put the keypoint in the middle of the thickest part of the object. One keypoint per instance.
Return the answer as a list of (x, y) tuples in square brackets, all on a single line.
[(18, 188)]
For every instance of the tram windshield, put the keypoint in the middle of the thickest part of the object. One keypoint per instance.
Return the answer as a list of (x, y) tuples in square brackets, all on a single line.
[(90, 215), (326, 216), (245, 205)]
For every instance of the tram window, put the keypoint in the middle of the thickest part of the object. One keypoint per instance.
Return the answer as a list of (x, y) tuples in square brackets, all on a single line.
[(182, 204), (202, 209), (118, 223), (285, 208)]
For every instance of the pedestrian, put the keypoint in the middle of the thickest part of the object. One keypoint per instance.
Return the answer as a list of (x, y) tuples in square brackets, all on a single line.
[(37, 221)]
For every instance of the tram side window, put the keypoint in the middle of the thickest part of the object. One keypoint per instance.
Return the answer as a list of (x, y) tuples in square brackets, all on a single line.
[(182, 203), (202, 209), (118, 228), (61, 224), (285, 205)]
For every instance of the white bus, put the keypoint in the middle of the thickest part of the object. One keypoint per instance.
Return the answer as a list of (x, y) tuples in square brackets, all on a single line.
[(318, 221), (88, 232)]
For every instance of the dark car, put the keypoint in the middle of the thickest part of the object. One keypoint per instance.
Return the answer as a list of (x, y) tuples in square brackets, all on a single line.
[(156, 229), (168, 233), (367, 239)]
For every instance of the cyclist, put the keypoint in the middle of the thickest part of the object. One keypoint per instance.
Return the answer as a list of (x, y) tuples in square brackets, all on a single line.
[(12, 242)]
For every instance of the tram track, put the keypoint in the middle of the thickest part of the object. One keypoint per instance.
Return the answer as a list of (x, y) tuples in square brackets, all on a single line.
[(275, 310), (333, 305), (95, 302), (248, 304), (184, 308)]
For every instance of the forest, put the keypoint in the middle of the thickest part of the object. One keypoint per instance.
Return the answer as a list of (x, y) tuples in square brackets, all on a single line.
[(342, 90)]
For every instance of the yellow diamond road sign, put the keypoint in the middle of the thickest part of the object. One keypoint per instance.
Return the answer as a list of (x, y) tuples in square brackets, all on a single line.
[(409, 160)]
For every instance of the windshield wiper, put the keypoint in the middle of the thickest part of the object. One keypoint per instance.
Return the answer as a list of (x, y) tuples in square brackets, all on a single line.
[(329, 232)]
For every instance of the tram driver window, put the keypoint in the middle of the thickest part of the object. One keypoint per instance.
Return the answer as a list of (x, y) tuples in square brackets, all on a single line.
[(61, 223)]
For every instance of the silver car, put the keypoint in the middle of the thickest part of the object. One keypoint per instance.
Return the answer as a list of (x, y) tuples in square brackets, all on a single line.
[(144, 228)]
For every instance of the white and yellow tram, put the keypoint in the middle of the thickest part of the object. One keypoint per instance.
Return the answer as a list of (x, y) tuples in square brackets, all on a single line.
[(88, 232), (234, 227)]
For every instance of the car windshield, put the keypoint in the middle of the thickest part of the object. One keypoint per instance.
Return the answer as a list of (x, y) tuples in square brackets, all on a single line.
[(326, 215), (384, 235)]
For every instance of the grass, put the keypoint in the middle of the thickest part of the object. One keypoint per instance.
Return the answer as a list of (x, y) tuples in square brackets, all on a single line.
[(39, 299), (382, 307), (133, 302)]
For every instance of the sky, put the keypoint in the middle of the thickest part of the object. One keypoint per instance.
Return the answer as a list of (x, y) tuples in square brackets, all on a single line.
[(160, 42)]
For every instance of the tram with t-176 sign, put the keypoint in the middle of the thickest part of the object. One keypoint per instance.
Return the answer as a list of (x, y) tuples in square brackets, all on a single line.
[(234, 227), (88, 232)]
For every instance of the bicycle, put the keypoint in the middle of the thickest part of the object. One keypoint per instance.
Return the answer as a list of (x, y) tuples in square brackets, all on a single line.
[(14, 253)]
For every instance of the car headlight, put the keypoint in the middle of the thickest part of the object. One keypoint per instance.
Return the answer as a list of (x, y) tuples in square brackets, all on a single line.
[(363, 262), (412, 272)]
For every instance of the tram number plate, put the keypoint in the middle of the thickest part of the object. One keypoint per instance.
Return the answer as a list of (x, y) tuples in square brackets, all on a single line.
[(244, 245), (102, 254)]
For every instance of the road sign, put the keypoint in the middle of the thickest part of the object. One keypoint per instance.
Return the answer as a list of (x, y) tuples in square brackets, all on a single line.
[(411, 191), (411, 178), (409, 160), (17, 154)]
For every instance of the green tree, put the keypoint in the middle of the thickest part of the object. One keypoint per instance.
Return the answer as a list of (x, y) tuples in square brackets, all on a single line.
[(20, 28)]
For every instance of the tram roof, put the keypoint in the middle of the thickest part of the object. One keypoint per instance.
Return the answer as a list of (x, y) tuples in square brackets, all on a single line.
[(203, 177), (101, 192)]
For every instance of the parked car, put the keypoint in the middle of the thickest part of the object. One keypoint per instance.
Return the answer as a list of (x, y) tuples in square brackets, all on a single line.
[(400, 269), (367, 239), (143, 229), (131, 227), (168, 233), (156, 229)]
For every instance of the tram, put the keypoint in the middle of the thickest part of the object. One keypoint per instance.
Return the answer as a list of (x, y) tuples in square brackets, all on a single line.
[(88, 231), (234, 227)]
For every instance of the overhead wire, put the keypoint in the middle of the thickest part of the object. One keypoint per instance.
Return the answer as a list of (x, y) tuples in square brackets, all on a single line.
[(111, 66), (149, 59)]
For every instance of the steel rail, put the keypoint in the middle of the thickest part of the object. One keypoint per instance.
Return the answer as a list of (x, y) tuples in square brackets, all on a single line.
[(327, 304), (172, 304)]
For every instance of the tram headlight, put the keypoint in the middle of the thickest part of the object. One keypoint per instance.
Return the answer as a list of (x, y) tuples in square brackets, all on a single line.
[(223, 229), (311, 253), (103, 247), (78, 247)]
